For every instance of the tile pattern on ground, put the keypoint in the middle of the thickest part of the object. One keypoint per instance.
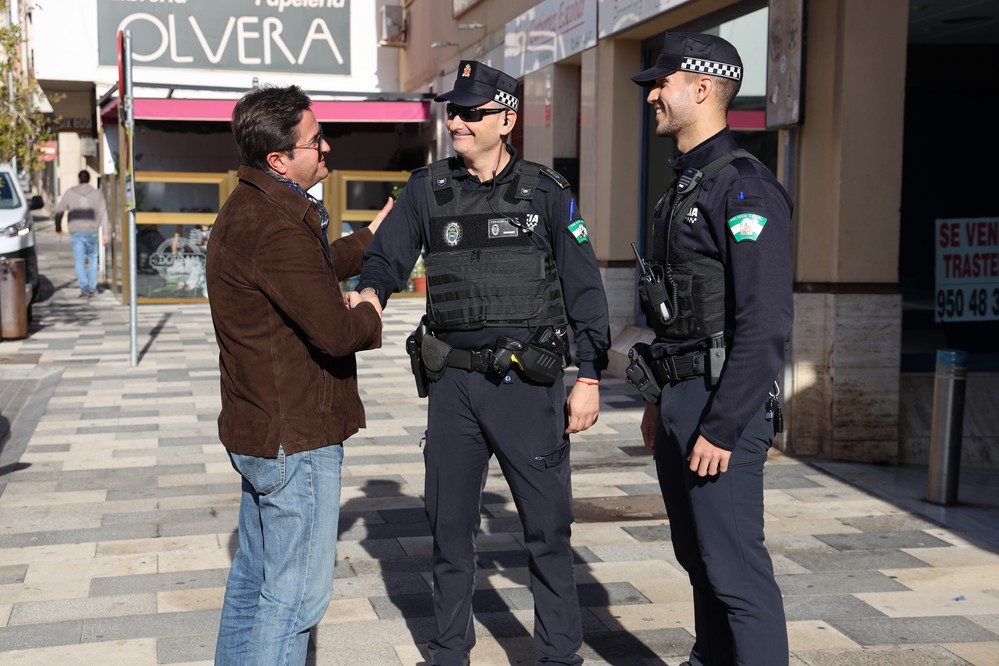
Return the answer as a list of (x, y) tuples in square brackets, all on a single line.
[(117, 521)]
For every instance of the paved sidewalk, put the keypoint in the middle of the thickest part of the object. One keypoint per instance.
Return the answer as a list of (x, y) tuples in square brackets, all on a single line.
[(118, 511)]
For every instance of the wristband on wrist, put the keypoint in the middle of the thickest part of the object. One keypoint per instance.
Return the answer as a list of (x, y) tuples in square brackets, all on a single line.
[(588, 382)]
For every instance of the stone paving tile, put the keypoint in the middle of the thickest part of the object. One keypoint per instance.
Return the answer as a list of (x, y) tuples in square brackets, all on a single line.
[(185, 649), (40, 635), (900, 631), (837, 582), (40, 612), (12, 573), (125, 463), (77, 536), (638, 648), (117, 585), (148, 625), (882, 541), (116, 653), (827, 607), (855, 560)]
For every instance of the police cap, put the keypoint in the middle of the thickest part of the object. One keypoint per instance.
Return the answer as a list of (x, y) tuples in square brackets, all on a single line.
[(693, 52), (477, 84)]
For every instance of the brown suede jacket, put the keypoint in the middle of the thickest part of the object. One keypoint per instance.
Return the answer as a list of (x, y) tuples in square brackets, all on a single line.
[(286, 339)]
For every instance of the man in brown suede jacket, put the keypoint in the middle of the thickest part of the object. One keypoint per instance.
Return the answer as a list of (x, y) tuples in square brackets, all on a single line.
[(287, 339)]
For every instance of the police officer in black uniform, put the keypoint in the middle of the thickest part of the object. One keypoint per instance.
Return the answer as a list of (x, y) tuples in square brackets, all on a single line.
[(718, 296), (509, 266)]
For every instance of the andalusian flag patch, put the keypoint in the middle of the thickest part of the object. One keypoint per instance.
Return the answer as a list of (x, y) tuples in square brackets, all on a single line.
[(578, 230), (746, 226)]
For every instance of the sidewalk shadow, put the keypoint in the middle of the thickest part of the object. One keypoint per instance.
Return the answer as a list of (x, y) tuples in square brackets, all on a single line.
[(46, 289), (403, 573), (409, 595), (615, 644), (154, 333)]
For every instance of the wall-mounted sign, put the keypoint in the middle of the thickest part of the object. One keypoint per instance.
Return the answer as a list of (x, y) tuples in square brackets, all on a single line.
[(549, 32), (616, 15), (307, 36), (967, 285), (784, 63)]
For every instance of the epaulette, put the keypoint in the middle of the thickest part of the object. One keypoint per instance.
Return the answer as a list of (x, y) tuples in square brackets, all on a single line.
[(556, 176)]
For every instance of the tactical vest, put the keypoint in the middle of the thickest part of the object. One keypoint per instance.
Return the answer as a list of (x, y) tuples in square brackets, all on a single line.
[(486, 264), (698, 280)]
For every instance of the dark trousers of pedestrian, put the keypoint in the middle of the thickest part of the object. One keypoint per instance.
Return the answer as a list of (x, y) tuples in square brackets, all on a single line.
[(471, 418), (716, 525)]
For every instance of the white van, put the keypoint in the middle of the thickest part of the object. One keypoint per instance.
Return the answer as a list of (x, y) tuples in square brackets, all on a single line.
[(17, 234)]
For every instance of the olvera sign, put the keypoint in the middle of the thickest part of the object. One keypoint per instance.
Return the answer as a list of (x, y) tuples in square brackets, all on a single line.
[(306, 36)]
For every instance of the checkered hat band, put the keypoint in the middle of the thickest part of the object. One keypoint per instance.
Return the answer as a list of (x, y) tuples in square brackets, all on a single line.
[(506, 99), (711, 67)]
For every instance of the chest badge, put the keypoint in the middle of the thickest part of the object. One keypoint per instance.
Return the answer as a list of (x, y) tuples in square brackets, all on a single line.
[(452, 234), (691, 215)]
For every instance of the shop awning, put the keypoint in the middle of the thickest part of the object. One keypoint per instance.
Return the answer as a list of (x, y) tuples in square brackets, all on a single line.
[(747, 120), (220, 110)]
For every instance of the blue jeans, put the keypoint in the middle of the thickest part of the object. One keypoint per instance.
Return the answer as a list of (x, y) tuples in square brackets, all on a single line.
[(85, 250), (281, 578)]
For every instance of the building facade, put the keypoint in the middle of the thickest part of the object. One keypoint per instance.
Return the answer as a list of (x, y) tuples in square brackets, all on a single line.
[(831, 78)]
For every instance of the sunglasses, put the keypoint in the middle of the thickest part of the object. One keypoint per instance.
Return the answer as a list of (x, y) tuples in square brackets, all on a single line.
[(468, 114)]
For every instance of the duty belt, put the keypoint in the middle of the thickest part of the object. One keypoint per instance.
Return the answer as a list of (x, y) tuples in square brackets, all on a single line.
[(671, 369), (468, 359)]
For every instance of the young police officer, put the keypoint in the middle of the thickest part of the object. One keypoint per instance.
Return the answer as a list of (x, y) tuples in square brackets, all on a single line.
[(722, 241), (508, 264)]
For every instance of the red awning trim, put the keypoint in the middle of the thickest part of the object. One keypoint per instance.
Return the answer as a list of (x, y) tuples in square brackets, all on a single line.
[(220, 110), (747, 120)]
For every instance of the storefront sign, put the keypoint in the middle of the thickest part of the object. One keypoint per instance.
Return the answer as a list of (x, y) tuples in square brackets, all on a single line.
[(967, 286), (307, 36), (616, 15), (551, 31)]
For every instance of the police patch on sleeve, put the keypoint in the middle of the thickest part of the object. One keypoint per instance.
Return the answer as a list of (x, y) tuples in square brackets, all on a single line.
[(578, 231), (746, 226)]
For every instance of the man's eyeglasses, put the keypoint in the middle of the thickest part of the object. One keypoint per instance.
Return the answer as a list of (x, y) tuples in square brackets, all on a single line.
[(469, 114), (316, 144)]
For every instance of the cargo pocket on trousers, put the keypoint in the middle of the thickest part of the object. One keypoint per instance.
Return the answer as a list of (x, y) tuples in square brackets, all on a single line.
[(553, 458)]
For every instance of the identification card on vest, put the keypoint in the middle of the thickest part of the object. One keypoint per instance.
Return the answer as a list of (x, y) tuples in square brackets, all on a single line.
[(501, 228)]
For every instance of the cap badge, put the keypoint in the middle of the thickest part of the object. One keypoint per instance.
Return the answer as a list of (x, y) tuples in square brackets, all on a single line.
[(441, 181), (467, 71)]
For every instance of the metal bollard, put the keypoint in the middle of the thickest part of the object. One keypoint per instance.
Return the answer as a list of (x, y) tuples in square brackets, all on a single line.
[(945, 430), (13, 301)]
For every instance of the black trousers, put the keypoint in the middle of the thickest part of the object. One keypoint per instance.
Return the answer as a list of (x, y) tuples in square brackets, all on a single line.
[(717, 529), (472, 417)]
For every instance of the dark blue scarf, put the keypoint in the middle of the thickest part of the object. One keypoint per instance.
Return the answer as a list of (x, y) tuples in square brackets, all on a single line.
[(324, 216)]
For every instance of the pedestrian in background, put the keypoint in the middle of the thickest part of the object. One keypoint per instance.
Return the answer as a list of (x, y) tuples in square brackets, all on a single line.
[(509, 265), (721, 243), (87, 214), (286, 339)]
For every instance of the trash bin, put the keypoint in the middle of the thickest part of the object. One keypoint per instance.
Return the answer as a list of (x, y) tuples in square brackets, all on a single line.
[(13, 300)]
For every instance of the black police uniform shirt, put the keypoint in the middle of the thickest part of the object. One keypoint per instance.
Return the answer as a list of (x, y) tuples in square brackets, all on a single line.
[(394, 249), (758, 277)]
